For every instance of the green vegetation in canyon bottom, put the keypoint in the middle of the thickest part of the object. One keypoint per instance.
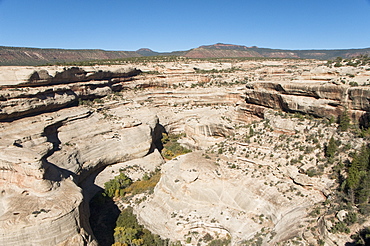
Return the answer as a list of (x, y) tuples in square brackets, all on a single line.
[(122, 185), (129, 232), (171, 146)]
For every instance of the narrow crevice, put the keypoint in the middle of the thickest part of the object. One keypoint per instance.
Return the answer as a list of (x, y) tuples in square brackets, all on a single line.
[(156, 138)]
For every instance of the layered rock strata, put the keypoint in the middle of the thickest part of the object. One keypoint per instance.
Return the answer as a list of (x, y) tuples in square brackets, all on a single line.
[(318, 99), (43, 161), (42, 93)]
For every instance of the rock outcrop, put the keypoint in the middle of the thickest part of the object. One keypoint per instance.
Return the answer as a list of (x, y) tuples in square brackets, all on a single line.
[(318, 99), (195, 195), (46, 159), (42, 93), (76, 74)]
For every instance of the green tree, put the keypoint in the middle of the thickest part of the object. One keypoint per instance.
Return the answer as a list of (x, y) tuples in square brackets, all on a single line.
[(332, 120), (351, 218), (331, 148), (357, 182), (128, 219), (134, 234), (344, 121), (125, 235), (251, 131), (362, 237)]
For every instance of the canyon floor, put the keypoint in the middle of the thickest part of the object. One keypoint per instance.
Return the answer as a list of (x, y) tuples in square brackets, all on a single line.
[(258, 129)]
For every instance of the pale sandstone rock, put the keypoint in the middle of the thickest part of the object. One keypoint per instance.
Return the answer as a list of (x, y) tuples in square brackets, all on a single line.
[(135, 169), (341, 215), (322, 100), (73, 84), (218, 200), (43, 158)]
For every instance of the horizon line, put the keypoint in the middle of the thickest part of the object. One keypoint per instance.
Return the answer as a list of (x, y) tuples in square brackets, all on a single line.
[(115, 50)]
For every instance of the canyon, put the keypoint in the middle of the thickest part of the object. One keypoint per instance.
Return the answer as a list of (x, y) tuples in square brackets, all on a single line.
[(65, 131)]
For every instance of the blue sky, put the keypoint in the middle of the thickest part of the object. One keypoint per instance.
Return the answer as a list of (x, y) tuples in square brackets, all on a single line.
[(163, 25)]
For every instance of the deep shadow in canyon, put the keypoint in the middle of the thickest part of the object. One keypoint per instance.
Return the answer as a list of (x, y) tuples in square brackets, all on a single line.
[(103, 216)]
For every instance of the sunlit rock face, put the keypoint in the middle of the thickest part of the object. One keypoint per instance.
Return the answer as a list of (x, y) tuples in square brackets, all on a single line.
[(194, 194), (44, 159), (318, 99)]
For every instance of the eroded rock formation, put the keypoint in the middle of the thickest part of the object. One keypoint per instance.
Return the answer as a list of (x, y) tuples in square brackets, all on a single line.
[(318, 99), (44, 93), (56, 141), (44, 159), (194, 194)]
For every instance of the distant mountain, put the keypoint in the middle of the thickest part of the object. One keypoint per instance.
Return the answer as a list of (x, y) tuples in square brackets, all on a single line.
[(229, 50), (147, 52), (36, 56)]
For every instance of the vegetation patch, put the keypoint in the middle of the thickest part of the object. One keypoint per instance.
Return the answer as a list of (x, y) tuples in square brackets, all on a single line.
[(122, 185), (171, 147), (147, 184), (129, 232), (361, 60)]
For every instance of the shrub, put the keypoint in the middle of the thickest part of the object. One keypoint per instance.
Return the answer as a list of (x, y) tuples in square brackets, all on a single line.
[(362, 237), (115, 187), (207, 237), (171, 148), (147, 184), (353, 83), (351, 218), (339, 227), (220, 242)]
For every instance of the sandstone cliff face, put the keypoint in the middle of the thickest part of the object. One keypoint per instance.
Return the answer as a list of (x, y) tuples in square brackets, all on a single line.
[(43, 161), (74, 84), (196, 195), (318, 99)]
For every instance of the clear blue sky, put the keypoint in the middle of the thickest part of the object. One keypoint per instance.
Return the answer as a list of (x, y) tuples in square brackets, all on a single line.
[(163, 25)]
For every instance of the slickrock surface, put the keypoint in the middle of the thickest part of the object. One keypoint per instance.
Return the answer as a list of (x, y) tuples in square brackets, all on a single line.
[(64, 132), (194, 194), (44, 159)]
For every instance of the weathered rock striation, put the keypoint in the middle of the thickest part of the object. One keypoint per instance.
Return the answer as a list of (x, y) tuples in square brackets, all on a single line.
[(47, 160), (44, 159), (196, 195), (318, 99), (44, 93)]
